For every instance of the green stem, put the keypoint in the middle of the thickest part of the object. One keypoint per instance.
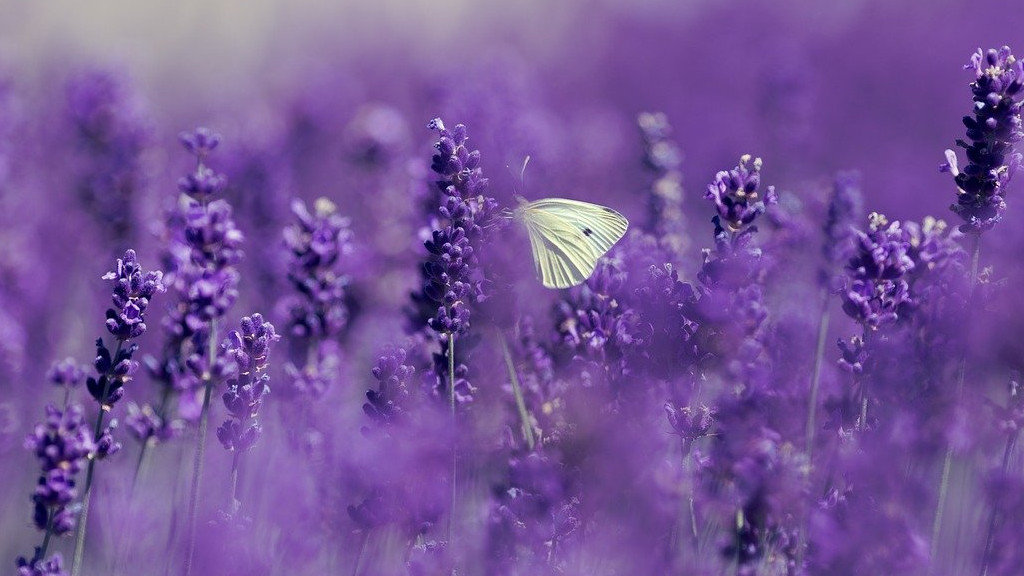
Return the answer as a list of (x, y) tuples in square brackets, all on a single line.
[(49, 534), (819, 356), (362, 550), (455, 441), (83, 517), (990, 533), (235, 504), (144, 448), (947, 461), (812, 408), (197, 463), (524, 415)]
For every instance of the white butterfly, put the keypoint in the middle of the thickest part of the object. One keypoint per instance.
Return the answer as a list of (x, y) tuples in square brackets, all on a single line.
[(568, 237)]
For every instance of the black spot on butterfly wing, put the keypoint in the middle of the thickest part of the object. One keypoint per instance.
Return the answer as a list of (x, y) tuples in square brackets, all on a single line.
[(587, 231)]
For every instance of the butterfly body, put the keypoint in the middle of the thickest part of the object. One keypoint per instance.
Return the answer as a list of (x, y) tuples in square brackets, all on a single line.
[(568, 237)]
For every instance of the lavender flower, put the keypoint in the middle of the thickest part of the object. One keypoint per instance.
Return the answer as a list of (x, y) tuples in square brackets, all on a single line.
[(52, 567), (736, 197), (597, 326), (452, 280), (133, 289), (111, 137), (993, 131), (665, 197), (317, 243), (201, 256), (318, 312), (877, 289), (249, 350), (63, 445), (844, 208), (385, 404)]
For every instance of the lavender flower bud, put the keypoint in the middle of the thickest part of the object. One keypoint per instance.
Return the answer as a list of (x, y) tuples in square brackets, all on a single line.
[(249, 351), (992, 133)]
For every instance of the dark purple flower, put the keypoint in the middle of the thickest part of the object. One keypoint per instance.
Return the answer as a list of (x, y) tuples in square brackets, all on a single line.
[(877, 291), (666, 306), (736, 196), (133, 289), (992, 133), (249, 350), (452, 279), (63, 445), (533, 511), (52, 567), (596, 324)]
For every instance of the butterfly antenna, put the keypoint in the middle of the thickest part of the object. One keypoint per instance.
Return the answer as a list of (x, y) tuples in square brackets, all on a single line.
[(521, 177)]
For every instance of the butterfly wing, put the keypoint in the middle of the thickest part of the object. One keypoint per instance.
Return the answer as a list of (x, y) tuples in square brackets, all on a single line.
[(568, 237)]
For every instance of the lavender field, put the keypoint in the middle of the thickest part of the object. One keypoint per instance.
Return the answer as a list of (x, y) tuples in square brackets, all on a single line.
[(265, 308)]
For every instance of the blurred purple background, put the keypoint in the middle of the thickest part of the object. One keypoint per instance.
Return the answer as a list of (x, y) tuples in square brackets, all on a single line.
[(332, 99)]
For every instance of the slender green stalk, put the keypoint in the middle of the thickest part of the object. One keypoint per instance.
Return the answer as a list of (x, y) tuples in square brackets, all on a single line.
[(455, 441), (524, 415), (362, 551), (197, 463), (819, 356), (83, 517), (812, 408), (990, 532), (49, 534), (235, 504), (947, 462), (144, 448)]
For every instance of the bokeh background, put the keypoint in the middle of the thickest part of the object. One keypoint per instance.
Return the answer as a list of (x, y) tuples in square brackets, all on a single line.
[(332, 99)]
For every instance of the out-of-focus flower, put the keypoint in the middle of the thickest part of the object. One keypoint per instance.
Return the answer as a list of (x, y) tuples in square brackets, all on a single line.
[(662, 156), (385, 404), (845, 207), (62, 444), (54, 566), (111, 135), (318, 243)]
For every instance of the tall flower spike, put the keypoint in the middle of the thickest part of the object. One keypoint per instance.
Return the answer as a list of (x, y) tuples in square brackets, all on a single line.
[(452, 281), (132, 291), (204, 247), (992, 133), (249, 350)]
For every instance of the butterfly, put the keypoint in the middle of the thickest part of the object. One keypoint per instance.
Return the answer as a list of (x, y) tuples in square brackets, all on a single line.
[(568, 237)]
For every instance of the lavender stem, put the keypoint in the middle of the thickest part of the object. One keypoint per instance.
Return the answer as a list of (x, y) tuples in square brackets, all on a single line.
[(197, 463), (524, 415), (947, 461)]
